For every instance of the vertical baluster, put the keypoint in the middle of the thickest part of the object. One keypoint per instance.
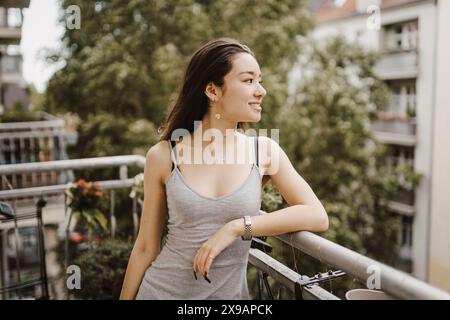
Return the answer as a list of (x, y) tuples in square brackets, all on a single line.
[(55, 175), (112, 214), (12, 149), (4, 279), (2, 161), (50, 157), (33, 159), (22, 159), (43, 178), (17, 244), (123, 172), (2, 150), (41, 155)]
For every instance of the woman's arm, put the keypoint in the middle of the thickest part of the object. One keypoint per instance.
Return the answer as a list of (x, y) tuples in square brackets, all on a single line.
[(148, 242), (305, 211)]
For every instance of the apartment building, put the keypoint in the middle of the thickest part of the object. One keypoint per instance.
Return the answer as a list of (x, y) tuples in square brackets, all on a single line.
[(412, 36), (12, 84)]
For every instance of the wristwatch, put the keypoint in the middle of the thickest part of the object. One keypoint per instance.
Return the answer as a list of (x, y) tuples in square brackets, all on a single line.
[(247, 229)]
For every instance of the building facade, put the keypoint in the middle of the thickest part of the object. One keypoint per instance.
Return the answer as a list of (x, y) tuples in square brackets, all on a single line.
[(12, 85), (412, 36)]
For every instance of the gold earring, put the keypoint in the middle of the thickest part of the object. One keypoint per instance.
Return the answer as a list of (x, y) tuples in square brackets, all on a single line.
[(217, 116)]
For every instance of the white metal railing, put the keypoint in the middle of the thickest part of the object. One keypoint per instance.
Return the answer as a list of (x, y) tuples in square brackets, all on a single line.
[(74, 164), (392, 281), (32, 141), (122, 162), (396, 283), (49, 192)]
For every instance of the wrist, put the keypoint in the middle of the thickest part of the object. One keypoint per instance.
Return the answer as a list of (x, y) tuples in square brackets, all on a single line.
[(237, 227)]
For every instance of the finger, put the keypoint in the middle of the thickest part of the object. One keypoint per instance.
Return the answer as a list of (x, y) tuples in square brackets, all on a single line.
[(202, 260), (195, 266), (209, 262)]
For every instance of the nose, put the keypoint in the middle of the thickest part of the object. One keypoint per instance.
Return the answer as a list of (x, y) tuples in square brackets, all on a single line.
[(260, 91)]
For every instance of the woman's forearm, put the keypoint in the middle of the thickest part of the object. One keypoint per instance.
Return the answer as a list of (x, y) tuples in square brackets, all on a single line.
[(139, 262), (290, 219)]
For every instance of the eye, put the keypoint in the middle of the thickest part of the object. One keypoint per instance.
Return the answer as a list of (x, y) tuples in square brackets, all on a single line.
[(248, 80)]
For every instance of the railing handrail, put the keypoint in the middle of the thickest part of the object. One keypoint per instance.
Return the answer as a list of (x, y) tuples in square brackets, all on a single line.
[(394, 282), (32, 134), (60, 189), (32, 125), (73, 164)]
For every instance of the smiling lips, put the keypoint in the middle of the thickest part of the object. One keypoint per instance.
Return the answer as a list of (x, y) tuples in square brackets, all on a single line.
[(256, 105)]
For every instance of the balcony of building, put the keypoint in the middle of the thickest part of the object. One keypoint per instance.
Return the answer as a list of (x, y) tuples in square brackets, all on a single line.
[(11, 68), (342, 262), (397, 123), (399, 44), (43, 139), (11, 20)]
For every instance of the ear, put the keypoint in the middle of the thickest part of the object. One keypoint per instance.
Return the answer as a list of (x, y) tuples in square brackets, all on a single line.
[(213, 92)]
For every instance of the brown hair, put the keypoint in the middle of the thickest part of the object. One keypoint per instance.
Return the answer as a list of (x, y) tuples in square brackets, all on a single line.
[(210, 63)]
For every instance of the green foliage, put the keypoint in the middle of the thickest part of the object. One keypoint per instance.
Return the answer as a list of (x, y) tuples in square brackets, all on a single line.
[(327, 137), (108, 135), (271, 198), (103, 270), (127, 60), (18, 113)]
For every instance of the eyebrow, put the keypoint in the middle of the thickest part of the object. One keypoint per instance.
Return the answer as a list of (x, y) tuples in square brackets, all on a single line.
[(251, 72)]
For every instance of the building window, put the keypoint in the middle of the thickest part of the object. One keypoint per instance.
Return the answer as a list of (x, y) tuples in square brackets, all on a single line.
[(403, 98), (14, 18), (401, 37), (400, 155)]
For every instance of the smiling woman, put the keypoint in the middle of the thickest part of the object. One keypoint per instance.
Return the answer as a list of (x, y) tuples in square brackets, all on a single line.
[(213, 208)]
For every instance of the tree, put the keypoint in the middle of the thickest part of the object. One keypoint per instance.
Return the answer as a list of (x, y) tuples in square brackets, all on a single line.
[(128, 59), (327, 136)]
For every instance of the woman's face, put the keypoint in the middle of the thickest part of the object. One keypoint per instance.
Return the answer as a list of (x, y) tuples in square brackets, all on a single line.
[(241, 97)]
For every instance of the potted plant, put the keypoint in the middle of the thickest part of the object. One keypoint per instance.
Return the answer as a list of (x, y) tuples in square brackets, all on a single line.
[(85, 201)]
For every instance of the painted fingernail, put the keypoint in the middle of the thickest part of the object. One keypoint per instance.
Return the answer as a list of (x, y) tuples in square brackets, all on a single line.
[(195, 274), (206, 278)]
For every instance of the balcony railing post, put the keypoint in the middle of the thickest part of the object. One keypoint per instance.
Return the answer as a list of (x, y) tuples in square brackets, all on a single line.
[(43, 267), (112, 217), (123, 172)]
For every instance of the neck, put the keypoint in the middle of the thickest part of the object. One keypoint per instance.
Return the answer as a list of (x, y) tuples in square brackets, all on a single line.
[(225, 126)]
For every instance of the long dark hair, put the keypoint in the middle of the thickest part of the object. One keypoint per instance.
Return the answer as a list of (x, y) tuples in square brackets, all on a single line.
[(210, 63)]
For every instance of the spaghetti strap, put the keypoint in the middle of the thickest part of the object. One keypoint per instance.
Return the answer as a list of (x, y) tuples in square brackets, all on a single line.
[(173, 153), (256, 152)]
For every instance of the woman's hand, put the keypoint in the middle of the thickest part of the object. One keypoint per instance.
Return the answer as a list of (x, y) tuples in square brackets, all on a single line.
[(224, 237)]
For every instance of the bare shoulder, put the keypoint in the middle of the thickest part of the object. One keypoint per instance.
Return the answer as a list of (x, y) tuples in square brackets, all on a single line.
[(270, 153), (158, 160), (268, 142)]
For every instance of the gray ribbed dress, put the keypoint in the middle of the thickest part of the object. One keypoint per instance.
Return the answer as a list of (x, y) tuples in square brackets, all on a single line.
[(193, 219)]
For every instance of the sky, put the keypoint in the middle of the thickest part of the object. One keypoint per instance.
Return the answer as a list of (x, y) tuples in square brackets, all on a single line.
[(40, 30)]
